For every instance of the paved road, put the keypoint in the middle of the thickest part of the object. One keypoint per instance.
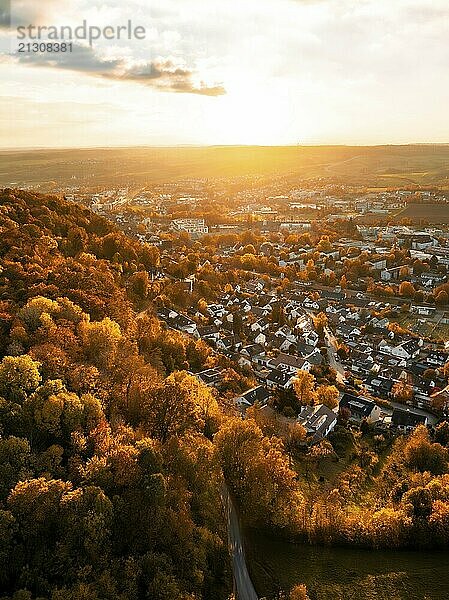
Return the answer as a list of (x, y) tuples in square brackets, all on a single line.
[(244, 589), (335, 363), (331, 343)]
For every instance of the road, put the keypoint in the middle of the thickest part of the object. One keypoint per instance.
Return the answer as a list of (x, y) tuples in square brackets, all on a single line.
[(335, 363), (332, 345), (244, 589)]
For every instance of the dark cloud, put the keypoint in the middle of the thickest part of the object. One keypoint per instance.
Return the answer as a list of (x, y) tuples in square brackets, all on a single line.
[(161, 74), (168, 76)]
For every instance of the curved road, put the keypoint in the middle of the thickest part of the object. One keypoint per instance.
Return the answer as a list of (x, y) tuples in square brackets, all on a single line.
[(244, 589)]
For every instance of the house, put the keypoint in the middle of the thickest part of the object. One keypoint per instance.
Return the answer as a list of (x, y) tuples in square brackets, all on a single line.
[(256, 285), (279, 379), (260, 339), (333, 296), (246, 306), (229, 341), (318, 420), (304, 349), (426, 311), (185, 324), (348, 332), (311, 304), (216, 310), (315, 358), (406, 350), (431, 280), (390, 274), (252, 350), (257, 394), (260, 325), (165, 314), (379, 386), (421, 241), (360, 408), (440, 399), (311, 338), (211, 377), (289, 364), (195, 227), (251, 354), (362, 360), (406, 420), (286, 332), (280, 343), (265, 302), (209, 333), (377, 264), (379, 324), (437, 359), (294, 312)]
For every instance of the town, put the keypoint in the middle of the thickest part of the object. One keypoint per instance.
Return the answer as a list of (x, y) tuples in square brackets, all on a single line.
[(348, 285)]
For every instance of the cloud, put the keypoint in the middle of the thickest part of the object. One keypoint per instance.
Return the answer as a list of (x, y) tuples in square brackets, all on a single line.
[(5, 14), (23, 12), (163, 74), (166, 75), (83, 58)]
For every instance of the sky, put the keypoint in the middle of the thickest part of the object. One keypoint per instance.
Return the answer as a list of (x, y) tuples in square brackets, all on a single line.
[(213, 72)]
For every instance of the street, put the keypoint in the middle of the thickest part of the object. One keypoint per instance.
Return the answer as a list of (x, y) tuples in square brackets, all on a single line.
[(244, 589), (331, 344)]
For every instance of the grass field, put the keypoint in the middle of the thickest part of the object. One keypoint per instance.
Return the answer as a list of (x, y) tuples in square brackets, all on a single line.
[(431, 213), (374, 166), (427, 328)]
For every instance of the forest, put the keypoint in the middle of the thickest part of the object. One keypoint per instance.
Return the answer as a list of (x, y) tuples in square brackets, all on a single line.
[(112, 453)]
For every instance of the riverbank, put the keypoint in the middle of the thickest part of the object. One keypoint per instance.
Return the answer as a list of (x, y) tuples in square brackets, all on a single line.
[(336, 573)]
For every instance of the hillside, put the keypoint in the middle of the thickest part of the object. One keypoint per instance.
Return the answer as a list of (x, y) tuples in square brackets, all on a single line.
[(108, 484), (111, 452), (377, 166)]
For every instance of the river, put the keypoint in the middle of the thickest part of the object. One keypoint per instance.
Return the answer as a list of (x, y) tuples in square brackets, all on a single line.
[(346, 573)]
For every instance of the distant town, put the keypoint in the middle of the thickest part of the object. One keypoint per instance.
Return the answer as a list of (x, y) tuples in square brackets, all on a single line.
[(369, 300)]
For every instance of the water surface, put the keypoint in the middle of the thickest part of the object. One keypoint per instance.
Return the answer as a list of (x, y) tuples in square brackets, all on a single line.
[(346, 573)]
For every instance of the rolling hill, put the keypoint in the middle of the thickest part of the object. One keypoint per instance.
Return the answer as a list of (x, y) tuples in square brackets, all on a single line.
[(374, 166)]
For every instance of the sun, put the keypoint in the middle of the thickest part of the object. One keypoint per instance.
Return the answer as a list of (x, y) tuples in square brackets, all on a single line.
[(254, 115)]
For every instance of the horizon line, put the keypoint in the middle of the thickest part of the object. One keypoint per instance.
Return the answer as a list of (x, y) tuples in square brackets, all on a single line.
[(180, 146)]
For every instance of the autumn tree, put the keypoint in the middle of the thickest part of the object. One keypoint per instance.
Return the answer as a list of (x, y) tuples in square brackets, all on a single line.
[(423, 455), (406, 289), (299, 592), (402, 391), (328, 395), (180, 404), (320, 322), (100, 341), (19, 375), (258, 473), (304, 386), (442, 299)]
